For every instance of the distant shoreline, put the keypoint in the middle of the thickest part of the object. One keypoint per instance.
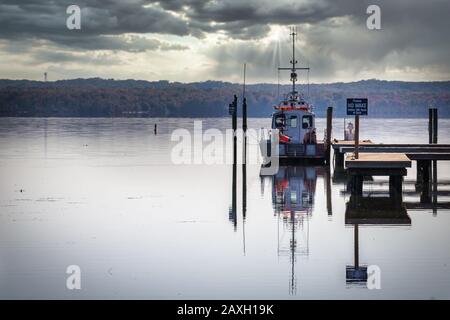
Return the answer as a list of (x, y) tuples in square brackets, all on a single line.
[(136, 98), (212, 117)]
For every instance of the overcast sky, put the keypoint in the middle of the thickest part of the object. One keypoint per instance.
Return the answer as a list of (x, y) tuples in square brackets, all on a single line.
[(194, 40)]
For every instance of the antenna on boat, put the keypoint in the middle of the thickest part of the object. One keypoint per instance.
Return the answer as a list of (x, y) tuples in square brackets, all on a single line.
[(308, 80), (293, 61), (278, 87), (293, 68)]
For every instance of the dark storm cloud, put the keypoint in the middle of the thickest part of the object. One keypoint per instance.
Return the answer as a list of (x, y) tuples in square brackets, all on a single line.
[(239, 19), (30, 19), (414, 35), (249, 19), (333, 33)]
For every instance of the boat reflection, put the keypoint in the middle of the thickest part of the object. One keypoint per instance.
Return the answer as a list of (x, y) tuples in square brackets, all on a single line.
[(293, 191)]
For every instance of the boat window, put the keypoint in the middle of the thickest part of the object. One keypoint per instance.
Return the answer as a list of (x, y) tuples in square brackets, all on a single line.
[(293, 197), (279, 197), (307, 122), (280, 121), (293, 122), (306, 199)]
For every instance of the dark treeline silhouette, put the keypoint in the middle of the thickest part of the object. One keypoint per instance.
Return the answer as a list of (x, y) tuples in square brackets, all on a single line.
[(137, 98)]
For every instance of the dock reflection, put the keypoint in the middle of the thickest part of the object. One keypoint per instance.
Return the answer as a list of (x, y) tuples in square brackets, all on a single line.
[(293, 191), (371, 211)]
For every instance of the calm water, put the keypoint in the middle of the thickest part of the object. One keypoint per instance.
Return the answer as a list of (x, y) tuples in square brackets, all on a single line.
[(103, 194)]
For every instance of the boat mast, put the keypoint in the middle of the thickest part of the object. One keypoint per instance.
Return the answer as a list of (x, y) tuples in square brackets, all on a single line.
[(293, 68), (293, 61)]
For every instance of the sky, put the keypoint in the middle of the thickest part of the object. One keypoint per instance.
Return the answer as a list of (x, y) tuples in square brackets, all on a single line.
[(195, 40)]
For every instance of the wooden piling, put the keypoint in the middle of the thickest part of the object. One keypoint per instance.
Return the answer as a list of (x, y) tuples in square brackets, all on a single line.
[(430, 125), (328, 191), (244, 161), (357, 185), (356, 136), (426, 168), (233, 111), (338, 159), (395, 187), (329, 131), (435, 125), (434, 184), (356, 239)]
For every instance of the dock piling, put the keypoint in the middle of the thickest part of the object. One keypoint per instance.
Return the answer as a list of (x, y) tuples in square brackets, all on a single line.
[(435, 125), (329, 130), (356, 136), (432, 125)]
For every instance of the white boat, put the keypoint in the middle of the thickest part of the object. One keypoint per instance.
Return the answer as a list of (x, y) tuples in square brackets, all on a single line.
[(295, 124)]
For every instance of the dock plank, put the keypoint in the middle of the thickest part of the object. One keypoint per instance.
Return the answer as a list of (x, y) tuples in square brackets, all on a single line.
[(378, 160), (336, 144)]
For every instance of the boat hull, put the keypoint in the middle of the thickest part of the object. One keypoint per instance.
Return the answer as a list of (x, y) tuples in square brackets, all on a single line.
[(295, 152)]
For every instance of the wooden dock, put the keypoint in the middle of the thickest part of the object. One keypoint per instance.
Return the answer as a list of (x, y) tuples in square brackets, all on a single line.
[(412, 151), (360, 161), (338, 144), (378, 161), (378, 164)]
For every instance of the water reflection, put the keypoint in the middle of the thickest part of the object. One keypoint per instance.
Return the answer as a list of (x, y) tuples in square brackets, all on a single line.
[(371, 211), (293, 192), (102, 194)]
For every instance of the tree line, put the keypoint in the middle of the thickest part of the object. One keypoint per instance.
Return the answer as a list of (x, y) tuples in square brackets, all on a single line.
[(136, 98)]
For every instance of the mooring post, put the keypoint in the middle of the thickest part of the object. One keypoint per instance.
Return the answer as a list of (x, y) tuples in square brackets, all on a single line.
[(356, 239), (419, 173), (329, 130), (233, 111), (435, 177), (430, 125), (244, 129), (338, 159), (357, 183), (433, 164), (395, 187), (357, 137), (426, 172), (435, 125), (328, 191)]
